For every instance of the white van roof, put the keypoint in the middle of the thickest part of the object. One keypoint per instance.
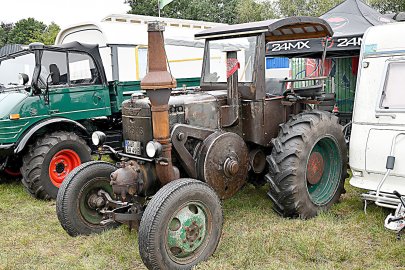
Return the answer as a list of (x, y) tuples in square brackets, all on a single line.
[(122, 29)]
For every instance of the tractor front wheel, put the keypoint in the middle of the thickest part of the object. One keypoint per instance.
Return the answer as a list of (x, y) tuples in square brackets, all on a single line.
[(181, 225), (308, 165), (79, 203)]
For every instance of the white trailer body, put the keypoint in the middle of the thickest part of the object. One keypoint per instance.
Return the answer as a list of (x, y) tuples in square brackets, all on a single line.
[(379, 115), (123, 44)]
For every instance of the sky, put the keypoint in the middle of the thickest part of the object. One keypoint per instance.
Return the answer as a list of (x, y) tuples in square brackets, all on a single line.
[(62, 12)]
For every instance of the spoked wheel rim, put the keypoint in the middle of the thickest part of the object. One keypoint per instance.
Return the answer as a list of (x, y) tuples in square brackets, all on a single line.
[(188, 231), (323, 171), (90, 202), (62, 163)]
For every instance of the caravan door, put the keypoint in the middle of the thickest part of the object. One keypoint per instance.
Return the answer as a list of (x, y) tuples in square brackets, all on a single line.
[(389, 129)]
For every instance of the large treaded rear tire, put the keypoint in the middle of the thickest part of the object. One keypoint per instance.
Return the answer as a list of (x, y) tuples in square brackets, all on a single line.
[(87, 177), (161, 211), (36, 162), (290, 187)]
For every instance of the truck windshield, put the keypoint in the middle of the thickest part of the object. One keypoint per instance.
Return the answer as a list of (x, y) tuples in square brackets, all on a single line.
[(215, 66), (10, 70)]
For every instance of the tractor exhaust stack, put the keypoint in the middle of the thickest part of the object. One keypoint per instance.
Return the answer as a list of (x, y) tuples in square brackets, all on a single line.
[(158, 83)]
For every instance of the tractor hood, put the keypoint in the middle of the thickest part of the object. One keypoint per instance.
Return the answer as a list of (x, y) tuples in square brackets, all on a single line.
[(9, 100)]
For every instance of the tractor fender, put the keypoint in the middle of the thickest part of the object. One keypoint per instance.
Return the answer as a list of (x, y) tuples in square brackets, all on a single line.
[(22, 142)]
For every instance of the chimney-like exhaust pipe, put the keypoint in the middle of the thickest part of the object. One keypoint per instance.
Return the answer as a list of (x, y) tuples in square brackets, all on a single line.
[(158, 83)]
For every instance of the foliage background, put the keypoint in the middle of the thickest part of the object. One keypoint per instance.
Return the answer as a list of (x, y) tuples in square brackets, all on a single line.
[(26, 31)]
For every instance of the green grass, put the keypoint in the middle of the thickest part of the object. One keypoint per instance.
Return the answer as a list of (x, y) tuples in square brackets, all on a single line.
[(254, 237)]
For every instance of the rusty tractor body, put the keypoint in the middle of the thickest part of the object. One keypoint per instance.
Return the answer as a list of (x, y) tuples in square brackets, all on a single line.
[(232, 130)]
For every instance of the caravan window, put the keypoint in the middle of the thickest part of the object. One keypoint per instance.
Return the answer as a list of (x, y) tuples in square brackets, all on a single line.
[(393, 96)]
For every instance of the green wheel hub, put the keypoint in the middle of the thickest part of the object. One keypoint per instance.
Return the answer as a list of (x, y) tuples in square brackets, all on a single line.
[(187, 231), (324, 171), (89, 202)]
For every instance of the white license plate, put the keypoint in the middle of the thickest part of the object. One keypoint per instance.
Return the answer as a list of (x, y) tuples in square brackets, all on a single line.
[(133, 147)]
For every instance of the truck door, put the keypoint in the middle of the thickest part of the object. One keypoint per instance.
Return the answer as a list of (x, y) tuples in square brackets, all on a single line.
[(75, 87), (389, 117)]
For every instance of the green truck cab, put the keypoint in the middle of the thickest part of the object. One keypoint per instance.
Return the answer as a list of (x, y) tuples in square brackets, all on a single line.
[(51, 100)]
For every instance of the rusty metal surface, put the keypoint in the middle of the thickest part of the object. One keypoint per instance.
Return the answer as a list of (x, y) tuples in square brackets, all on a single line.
[(261, 120), (257, 160), (181, 134), (124, 181), (157, 77), (158, 83), (315, 168), (223, 163)]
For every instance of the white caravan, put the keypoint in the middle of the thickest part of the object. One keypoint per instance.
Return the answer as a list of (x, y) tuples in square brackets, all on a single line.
[(377, 143), (123, 44)]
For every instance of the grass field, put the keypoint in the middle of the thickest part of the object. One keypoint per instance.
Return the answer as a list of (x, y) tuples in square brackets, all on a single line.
[(254, 237)]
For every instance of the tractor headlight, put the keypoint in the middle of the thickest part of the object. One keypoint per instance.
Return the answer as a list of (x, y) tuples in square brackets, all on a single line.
[(153, 149), (98, 138)]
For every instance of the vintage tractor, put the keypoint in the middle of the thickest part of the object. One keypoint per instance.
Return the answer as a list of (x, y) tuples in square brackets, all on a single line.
[(186, 150)]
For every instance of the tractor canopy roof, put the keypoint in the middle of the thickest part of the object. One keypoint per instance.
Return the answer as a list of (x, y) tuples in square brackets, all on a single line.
[(276, 30)]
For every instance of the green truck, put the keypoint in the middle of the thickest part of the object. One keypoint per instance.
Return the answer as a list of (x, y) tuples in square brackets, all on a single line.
[(51, 100)]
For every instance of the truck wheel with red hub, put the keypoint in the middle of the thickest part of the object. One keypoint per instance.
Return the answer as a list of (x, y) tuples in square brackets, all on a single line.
[(11, 172), (308, 165), (49, 160)]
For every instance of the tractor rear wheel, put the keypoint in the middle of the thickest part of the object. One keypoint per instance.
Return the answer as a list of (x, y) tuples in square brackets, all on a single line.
[(181, 225), (49, 160), (308, 165), (75, 207)]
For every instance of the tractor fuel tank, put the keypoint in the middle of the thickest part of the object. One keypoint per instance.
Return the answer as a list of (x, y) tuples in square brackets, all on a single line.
[(261, 120)]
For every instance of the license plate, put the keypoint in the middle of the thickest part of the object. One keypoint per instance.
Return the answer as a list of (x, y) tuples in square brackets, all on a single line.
[(133, 147)]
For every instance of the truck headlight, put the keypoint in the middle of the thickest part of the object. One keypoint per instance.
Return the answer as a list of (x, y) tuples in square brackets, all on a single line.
[(98, 138), (153, 149)]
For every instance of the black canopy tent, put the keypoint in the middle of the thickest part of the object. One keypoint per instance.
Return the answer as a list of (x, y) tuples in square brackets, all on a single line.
[(348, 20)]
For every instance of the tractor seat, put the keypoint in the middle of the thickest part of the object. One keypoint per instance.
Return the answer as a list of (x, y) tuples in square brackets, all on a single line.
[(309, 91), (316, 89)]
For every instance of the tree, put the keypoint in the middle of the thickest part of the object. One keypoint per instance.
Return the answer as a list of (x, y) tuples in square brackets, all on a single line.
[(222, 11), (388, 6), (49, 35), (315, 8), (5, 29), (26, 31), (251, 10)]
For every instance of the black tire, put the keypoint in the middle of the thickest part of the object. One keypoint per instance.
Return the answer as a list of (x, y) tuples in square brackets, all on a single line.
[(161, 210), (295, 190), (37, 160), (88, 177)]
